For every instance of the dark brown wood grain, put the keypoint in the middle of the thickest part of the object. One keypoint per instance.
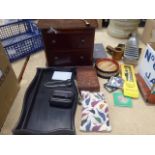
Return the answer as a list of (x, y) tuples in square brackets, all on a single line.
[(66, 23), (71, 43)]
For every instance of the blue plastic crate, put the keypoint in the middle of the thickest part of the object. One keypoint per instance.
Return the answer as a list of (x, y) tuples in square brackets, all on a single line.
[(20, 39)]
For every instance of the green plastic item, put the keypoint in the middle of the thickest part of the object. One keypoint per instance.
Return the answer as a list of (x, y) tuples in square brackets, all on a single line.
[(121, 101)]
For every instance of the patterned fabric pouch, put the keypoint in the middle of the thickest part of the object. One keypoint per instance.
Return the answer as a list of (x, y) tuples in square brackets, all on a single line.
[(95, 111)]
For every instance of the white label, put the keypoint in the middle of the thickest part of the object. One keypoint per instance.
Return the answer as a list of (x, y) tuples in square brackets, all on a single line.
[(60, 75), (147, 66)]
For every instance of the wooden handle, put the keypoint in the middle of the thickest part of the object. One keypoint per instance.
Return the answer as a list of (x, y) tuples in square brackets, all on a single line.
[(116, 53), (111, 49), (86, 22)]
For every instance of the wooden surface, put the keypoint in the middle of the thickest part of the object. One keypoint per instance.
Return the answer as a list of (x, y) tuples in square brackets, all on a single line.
[(136, 120), (66, 23)]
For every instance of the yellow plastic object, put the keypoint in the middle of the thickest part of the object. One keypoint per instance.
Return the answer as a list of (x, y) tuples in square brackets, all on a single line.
[(130, 87)]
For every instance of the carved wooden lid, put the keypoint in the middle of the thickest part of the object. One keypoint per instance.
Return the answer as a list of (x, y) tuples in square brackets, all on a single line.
[(67, 23)]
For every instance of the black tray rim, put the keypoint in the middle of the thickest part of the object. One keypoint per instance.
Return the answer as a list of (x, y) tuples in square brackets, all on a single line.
[(60, 131)]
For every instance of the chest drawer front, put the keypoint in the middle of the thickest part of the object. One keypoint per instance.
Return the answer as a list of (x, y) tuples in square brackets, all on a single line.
[(68, 40), (68, 58)]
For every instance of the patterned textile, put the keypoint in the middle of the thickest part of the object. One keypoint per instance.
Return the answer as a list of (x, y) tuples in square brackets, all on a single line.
[(95, 112)]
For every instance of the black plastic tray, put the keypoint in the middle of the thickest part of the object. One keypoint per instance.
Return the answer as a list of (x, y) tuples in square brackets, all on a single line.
[(38, 116)]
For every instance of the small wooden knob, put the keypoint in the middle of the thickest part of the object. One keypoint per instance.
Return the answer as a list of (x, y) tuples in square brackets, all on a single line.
[(81, 57), (53, 41), (55, 58), (83, 41)]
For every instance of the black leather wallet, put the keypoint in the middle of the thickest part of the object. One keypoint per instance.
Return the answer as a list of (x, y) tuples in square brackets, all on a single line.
[(61, 98)]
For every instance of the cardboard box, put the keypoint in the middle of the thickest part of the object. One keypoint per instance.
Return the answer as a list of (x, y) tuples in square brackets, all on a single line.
[(8, 86), (148, 35)]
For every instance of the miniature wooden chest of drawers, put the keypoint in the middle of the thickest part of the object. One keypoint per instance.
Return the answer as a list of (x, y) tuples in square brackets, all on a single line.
[(68, 42)]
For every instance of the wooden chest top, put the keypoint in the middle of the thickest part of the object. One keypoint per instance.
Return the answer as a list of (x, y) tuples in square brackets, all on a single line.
[(67, 23)]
